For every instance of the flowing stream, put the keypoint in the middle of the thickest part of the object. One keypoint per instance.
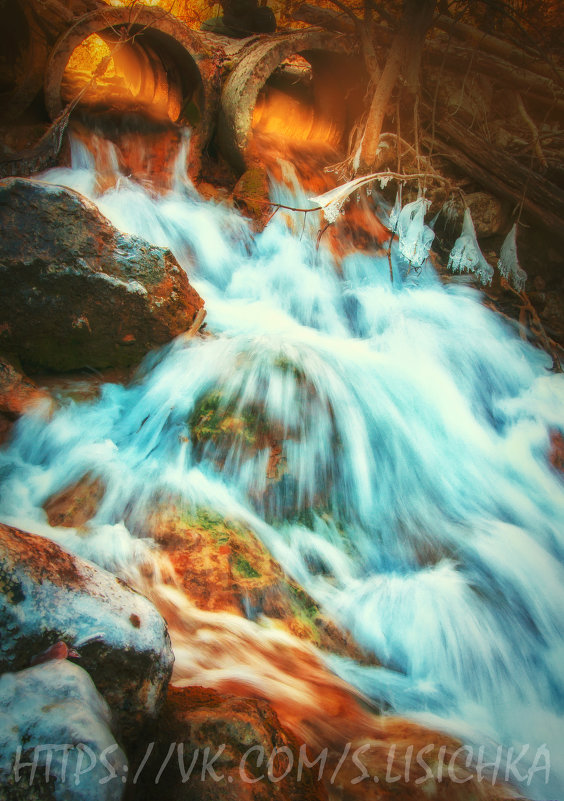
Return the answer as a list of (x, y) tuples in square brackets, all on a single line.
[(411, 495)]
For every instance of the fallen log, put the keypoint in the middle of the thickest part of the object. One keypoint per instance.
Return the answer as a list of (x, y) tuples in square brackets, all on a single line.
[(324, 18), (542, 89), (439, 48), (498, 187), (501, 174), (498, 47), (514, 173)]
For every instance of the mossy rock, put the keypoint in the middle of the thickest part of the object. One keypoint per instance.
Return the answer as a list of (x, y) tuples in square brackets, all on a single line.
[(217, 420), (223, 566), (251, 193)]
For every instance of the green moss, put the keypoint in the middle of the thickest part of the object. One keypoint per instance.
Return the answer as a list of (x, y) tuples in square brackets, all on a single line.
[(11, 587), (191, 113), (304, 609), (252, 191), (304, 601), (286, 365), (220, 528), (222, 423), (244, 569)]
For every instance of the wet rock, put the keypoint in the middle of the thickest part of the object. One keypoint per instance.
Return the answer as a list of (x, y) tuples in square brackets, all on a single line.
[(552, 315), (251, 194), (228, 726), (47, 595), (74, 506), (556, 455), (76, 291), (47, 711), (17, 393), (206, 551), (404, 760), (488, 214)]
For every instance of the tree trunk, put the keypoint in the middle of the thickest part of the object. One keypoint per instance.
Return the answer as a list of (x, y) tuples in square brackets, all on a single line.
[(404, 57), (503, 64)]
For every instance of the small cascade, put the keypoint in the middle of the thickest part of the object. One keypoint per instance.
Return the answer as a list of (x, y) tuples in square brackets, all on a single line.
[(388, 443)]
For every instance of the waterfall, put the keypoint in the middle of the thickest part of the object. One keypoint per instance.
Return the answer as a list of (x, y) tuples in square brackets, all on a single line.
[(394, 458)]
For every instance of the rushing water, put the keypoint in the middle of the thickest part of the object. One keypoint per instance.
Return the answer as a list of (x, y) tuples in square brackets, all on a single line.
[(412, 496)]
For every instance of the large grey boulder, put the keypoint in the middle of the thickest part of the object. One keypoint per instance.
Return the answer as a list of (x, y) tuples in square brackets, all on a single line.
[(55, 737), (48, 595), (77, 292)]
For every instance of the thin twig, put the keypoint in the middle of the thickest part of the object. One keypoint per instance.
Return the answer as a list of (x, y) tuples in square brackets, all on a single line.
[(534, 130), (548, 344)]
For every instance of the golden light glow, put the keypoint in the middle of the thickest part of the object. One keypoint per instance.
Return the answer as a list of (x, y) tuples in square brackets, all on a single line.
[(88, 55), (133, 78), (192, 12), (278, 113)]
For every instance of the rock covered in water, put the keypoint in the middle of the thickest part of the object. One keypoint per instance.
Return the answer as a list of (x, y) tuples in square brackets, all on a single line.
[(47, 595), (75, 505), (46, 712), (206, 550), (76, 291)]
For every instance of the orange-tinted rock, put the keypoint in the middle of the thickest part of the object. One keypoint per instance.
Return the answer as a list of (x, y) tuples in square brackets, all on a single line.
[(75, 505), (223, 566), (228, 726), (556, 455), (213, 192), (17, 393), (401, 759), (76, 291), (322, 711)]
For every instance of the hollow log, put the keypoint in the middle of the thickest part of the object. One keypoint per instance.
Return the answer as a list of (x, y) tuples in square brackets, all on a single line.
[(184, 61), (254, 68)]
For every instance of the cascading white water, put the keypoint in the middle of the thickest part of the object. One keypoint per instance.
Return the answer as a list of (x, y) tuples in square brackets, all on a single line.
[(413, 497)]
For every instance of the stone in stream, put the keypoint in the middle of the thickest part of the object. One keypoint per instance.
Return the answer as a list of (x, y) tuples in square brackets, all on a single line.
[(48, 595), (17, 393), (245, 741), (53, 713), (206, 550), (77, 292)]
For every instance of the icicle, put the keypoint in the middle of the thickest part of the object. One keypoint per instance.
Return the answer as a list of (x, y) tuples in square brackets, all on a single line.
[(466, 255), (508, 263), (395, 212), (356, 159), (450, 210), (332, 202), (415, 238)]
